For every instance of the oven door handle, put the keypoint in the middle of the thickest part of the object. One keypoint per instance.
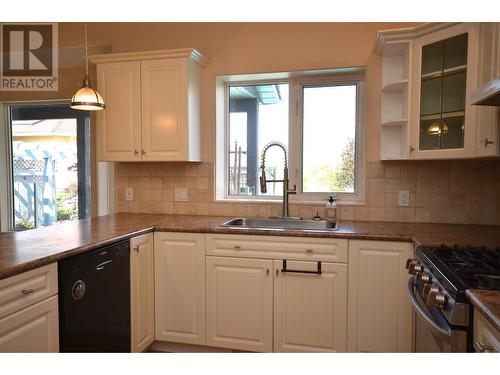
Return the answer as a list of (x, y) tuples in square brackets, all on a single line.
[(426, 318)]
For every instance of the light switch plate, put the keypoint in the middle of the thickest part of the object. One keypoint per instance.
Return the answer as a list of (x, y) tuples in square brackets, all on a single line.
[(181, 194), (404, 198), (129, 194)]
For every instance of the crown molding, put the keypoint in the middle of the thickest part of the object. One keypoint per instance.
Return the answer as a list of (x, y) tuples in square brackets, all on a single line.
[(408, 33), (191, 53)]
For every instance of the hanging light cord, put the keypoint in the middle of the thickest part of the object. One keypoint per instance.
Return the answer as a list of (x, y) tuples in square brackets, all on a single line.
[(86, 54)]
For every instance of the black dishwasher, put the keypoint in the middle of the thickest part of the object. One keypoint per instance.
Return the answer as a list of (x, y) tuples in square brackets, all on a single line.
[(94, 300)]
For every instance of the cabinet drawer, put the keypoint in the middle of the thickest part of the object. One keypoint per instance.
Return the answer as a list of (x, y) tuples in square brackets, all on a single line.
[(20, 291), (485, 335), (331, 250)]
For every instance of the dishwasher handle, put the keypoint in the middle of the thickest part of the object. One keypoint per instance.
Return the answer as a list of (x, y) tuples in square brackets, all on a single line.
[(102, 265)]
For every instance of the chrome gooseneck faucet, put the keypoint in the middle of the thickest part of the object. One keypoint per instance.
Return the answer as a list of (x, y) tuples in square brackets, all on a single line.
[(264, 181)]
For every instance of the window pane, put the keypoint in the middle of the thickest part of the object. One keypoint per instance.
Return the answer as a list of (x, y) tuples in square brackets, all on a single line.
[(50, 165), (258, 114), (329, 133)]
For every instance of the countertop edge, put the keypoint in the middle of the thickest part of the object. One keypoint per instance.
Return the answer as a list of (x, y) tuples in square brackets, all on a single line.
[(43, 261), (485, 310)]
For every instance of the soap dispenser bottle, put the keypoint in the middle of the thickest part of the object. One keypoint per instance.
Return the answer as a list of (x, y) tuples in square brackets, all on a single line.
[(331, 211)]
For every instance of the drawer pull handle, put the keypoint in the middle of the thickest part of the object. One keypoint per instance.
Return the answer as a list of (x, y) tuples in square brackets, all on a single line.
[(317, 272), (27, 291), (237, 247), (483, 348), (309, 251)]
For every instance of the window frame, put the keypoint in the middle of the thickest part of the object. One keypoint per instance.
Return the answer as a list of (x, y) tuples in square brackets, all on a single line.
[(7, 220), (296, 82)]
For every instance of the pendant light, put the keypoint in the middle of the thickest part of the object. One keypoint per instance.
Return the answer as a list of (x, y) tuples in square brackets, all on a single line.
[(87, 99)]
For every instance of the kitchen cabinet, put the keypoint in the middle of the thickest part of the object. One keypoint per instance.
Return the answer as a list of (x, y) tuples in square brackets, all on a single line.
[(488, 118), (180, 287), (152, 105), (445, 71), (282, 311), (240, 303), (32, 330), (310, 310), (428, 75), (486, 337), (29, 319), (380, 315), (142, 291)]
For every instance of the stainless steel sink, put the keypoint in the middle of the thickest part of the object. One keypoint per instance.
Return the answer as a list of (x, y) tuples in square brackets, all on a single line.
[(279, 223)]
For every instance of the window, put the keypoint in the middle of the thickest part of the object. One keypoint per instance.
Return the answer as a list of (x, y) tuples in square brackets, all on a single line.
[(49, 165), (258, 114), (319, 121)]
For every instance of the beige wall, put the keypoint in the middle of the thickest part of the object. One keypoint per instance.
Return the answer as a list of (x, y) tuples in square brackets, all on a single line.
[(440, 191), (236, 48)]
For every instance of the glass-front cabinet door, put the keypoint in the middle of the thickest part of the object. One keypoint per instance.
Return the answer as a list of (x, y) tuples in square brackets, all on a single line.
[(443, 75)]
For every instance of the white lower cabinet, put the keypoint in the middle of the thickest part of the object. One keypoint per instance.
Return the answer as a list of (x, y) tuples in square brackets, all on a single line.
[(34, 329), (180, 287), (310, 310), (380, 315), (142, 291), (240, 303)]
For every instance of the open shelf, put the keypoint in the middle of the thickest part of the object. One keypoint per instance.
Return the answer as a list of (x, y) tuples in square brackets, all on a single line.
[(400, 122), (396, 86), (394, 114)]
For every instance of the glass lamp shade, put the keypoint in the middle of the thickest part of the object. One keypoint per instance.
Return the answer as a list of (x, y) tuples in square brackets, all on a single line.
[(87, 99)]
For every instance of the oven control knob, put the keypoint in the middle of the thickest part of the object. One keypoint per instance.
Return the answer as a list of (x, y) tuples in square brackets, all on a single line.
[(428, 288), (436, 299), (422, 278), (414, 268), (409, 262)]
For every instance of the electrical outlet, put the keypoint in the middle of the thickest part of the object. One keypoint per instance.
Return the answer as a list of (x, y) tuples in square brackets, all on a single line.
[(181, 194), (129, 194), (404, 198)]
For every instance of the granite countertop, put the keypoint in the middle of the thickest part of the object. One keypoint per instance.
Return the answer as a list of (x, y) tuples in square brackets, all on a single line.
[(488, 303), (23, 251)]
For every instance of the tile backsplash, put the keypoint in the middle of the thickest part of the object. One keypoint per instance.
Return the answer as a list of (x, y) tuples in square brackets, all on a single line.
[(458, 191)]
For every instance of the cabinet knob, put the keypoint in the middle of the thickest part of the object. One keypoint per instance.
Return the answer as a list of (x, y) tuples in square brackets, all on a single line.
[(487, 142), (136, 152), (137, 249), (143, 152), (412, 148), (237, 247)]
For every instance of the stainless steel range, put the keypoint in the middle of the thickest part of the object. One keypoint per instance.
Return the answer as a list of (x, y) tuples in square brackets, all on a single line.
[(440, 277)]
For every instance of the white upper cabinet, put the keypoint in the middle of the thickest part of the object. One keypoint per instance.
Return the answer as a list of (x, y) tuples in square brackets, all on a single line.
[(152, 105), (428, 75), (488, 118), (119, 125), (444, 75)]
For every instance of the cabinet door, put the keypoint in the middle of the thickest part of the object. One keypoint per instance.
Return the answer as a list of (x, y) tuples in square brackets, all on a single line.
[(142, 291), (164, 110), (34, 329), (240, 303), (380, 315), (119, 125), (180, 287), (444, 75), (488, 118), (310, 310)]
